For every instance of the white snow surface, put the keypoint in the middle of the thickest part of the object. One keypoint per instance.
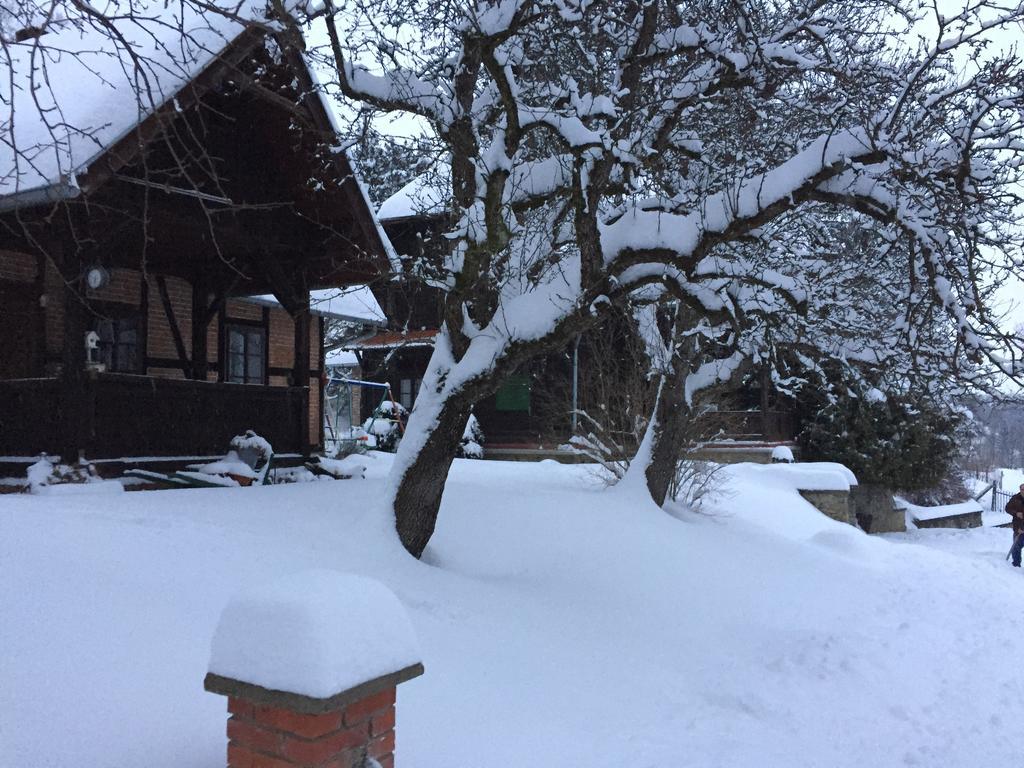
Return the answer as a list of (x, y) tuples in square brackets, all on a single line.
[(560, 624), (350, 466), (316, 633), (103, 487), (356, 303), (805, 476)]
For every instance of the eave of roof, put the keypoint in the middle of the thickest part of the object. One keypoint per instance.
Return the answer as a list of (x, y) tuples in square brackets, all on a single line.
[(396, 340)]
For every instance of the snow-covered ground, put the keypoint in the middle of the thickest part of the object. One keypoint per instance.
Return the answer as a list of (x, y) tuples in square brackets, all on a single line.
[(560, 625)]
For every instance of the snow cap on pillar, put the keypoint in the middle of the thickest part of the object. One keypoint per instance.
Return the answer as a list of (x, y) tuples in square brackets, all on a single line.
[(310, 664), (316, 633)]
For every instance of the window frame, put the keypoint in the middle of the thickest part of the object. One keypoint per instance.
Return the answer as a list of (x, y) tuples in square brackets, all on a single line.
[(116, 315), (414, 387), (246, 327)]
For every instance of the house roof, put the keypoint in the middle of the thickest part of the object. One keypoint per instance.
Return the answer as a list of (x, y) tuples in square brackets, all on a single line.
[(73, 108), (397, 339), (71, 94), (356, 303), (341, 358)]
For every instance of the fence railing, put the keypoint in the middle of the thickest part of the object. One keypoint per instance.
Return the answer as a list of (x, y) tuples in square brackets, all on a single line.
[(774, 426), (1000, 499)]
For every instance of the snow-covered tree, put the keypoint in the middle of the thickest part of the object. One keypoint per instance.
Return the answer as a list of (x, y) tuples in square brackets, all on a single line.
[(600, 147)]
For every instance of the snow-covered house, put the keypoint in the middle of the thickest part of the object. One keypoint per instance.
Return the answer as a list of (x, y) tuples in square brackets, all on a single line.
[(159, 246)]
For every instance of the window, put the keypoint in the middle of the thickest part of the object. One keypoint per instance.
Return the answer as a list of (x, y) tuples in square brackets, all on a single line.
[(246, 354), (119, 344), (407, 391)]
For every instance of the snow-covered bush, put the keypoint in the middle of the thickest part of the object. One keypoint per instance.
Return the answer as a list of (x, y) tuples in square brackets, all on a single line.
[(696, 481), (782, 454), (45, 472), (472, 445), (603, 447), (385, 426)]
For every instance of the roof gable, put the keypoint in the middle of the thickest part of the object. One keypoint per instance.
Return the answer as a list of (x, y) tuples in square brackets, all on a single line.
[(74, 92), (78, 112)]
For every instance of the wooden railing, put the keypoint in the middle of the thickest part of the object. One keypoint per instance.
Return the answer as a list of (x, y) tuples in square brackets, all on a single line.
[(768, 426), (147, 416)]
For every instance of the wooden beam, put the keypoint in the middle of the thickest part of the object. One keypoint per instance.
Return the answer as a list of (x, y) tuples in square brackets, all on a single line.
[(200, 323), (77, 407), (219, 299), (39, 319), (143, 321), (300, 374), (179, 344), (321, 371), (284, 285)]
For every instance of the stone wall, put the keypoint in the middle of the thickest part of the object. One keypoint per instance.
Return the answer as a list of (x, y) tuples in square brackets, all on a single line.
[(875, 511), (963, 520), (834, 504)]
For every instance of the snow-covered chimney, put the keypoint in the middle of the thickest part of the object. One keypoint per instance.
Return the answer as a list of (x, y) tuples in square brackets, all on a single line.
[(310, 664)]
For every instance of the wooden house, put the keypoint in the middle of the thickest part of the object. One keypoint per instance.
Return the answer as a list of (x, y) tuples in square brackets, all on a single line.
[(144, 231)]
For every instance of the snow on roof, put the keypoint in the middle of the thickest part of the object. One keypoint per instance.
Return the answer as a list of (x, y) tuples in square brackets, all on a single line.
[(423, 196), (356, 303), (71, 94), (397, 339), (341, 358), (947, 510)]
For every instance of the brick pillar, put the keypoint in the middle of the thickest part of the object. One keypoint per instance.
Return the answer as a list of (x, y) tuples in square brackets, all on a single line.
[(313, 707), (274, 729)]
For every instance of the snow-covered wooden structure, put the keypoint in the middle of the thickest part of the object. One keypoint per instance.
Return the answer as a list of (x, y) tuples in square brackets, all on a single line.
[(136, 219)]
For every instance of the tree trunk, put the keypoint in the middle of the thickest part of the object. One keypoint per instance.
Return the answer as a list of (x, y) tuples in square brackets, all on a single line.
[(671, 422), (417, 498)]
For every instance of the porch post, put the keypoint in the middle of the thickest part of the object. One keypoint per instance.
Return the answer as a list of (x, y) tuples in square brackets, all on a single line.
[(76, 396), (300, 371), (200, 357)]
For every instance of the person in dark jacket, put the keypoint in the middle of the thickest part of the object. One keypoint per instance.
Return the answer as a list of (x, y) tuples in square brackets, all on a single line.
[(1015, 508)]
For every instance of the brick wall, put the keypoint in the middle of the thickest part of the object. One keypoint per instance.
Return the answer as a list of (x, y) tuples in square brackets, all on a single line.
[(275, 737), (18, 267), (125, 287), (314, 409), (160, 340), (282, 339)]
